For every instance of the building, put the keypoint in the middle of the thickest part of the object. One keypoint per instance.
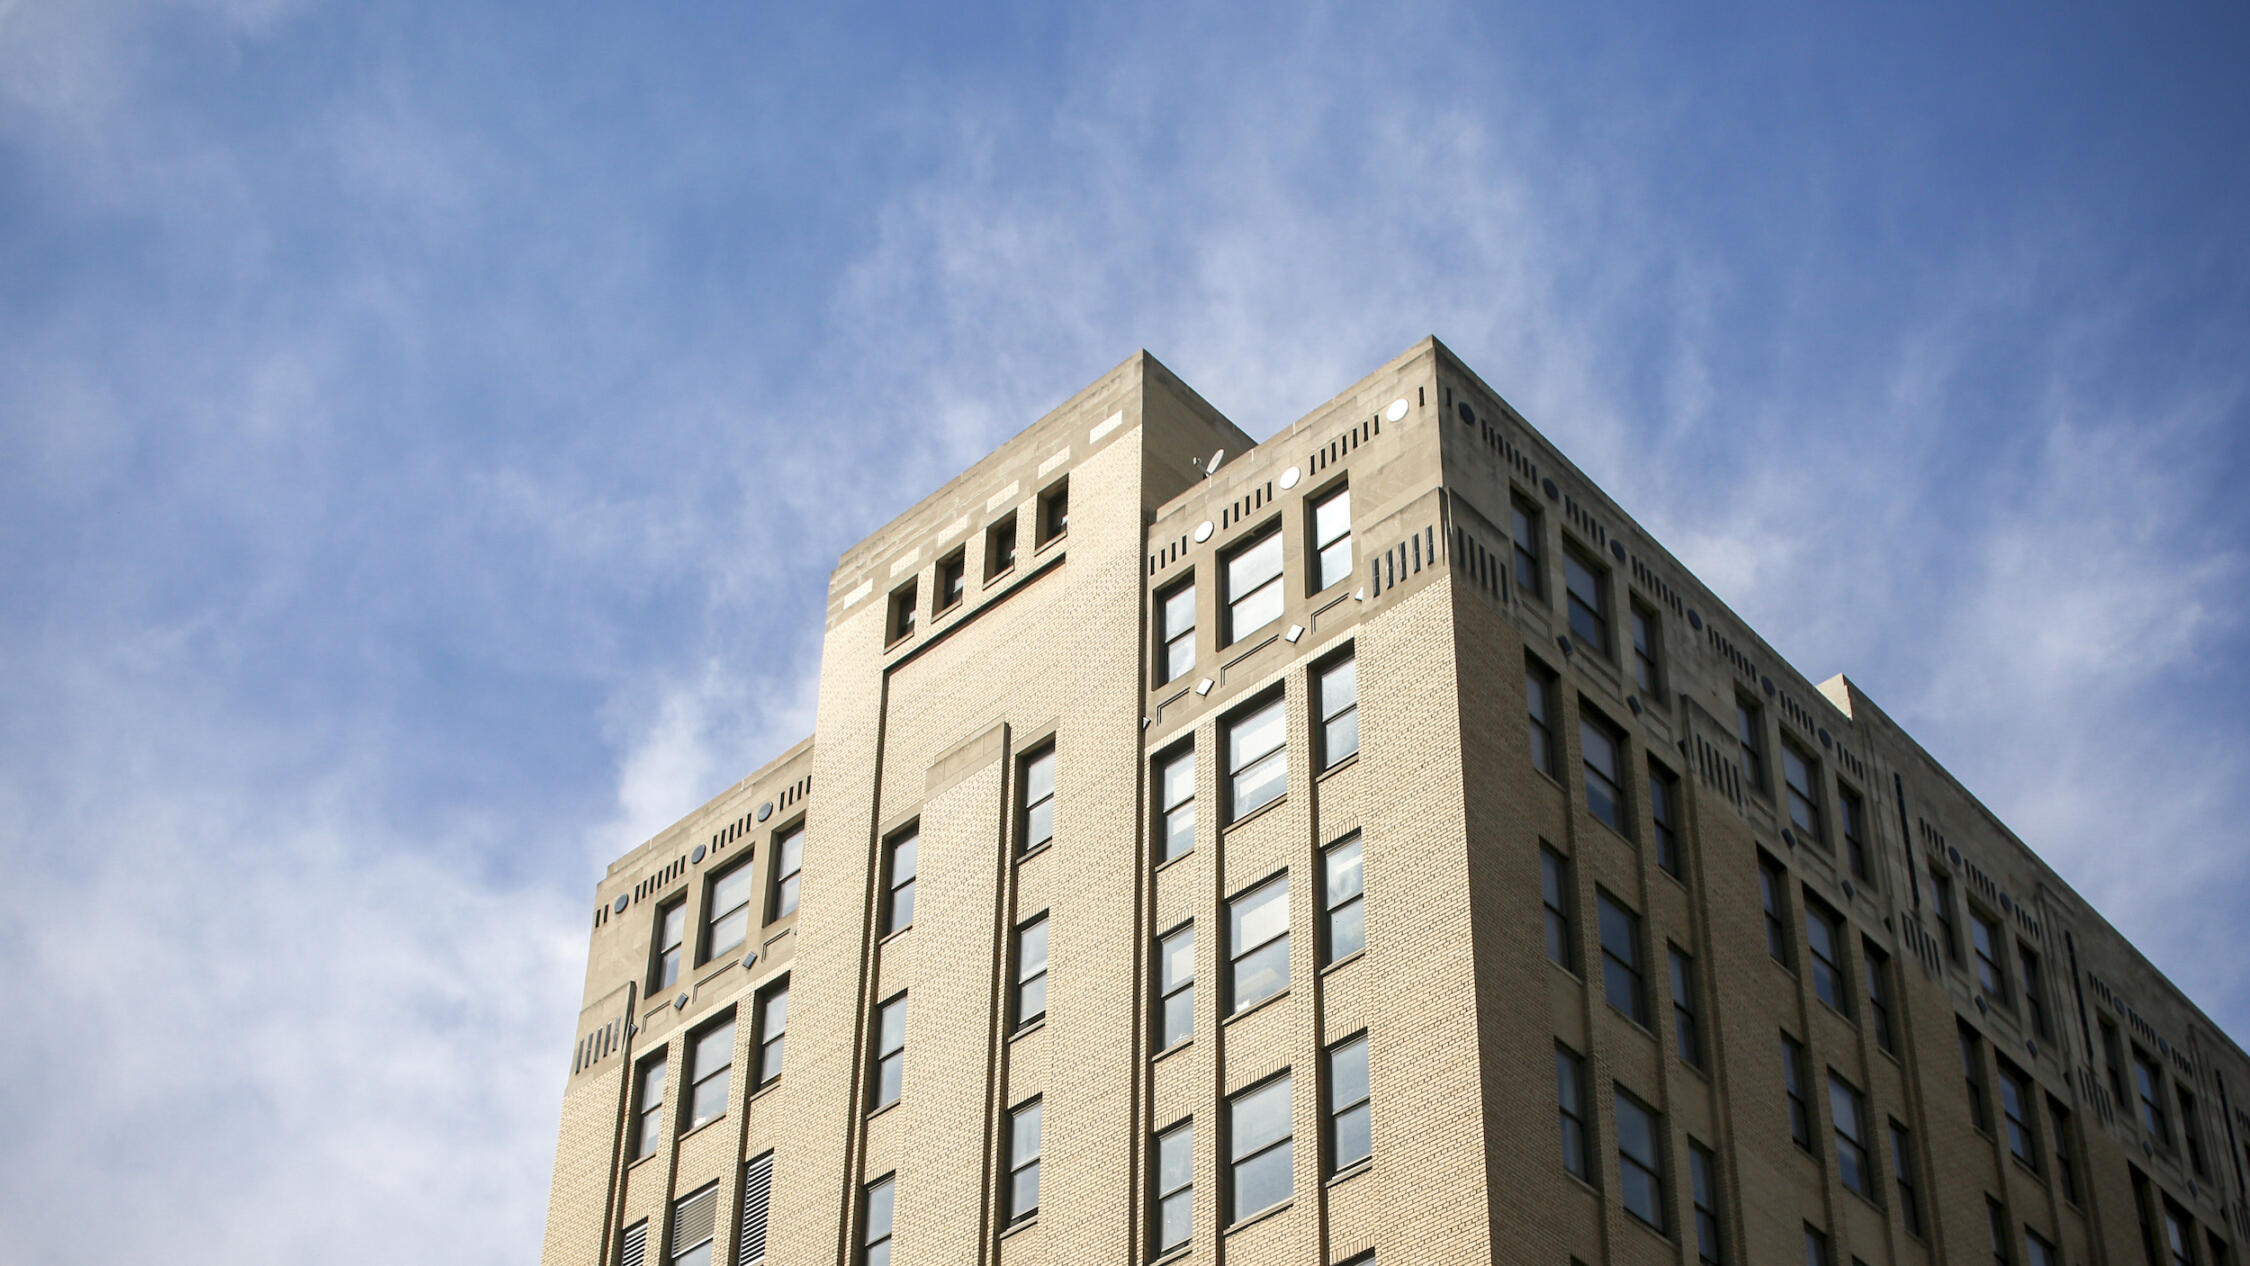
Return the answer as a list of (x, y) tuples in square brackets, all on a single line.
[(1115, 915)]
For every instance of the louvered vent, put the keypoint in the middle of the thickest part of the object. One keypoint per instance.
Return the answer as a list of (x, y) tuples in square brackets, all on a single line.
[(633, 1250), (757, 1190), (693, 1217)]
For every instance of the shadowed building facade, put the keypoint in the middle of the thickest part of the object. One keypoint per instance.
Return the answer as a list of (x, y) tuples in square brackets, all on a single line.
[(1368, 846)]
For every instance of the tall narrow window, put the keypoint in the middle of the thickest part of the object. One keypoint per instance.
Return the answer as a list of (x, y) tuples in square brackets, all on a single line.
[(1351, 1137), (1750, 732), (1996, 1218), (1903, 1167), (1539, 693), (1554, 885), (1252, 573), (1941, 903), (2066, 1167), (710, 1060), (1586, 585), (1851, 815), (632, 1247), (1664, 816), (1038, 791), (1793, 1084), (1175, 983), (1175, 1186), (753, 1214), (901, 857), (1176, 630), (1848, 1110), (1624, 982), (2015, 1109), (2179, 1235), (788, 863), (671, 931), (1640, 1159), (890, 1051), (1703, 1183), (903, 608), (1345, 926), (1570, 1111), (2037, 1251), (1257, 758), (773, 1030), (1259, 1147), (2113, 1052), (648, 1115), (1824, 936), (1972, 1077), (1054, 510), (695, 1223), (1816, 1247), (1647, 655), (1336, 694), (726, 910), (1984, 934), (1686, 1029), (1878, 967), (1031, 970), (1531, 574), (2190, 1133), (1000, 546), (876, 1250), (1023, 1162), (1175, 805), (1800, 773), (1258, 943), (1602, 747), (1332, 538), (1773, 892), (952, 581), (2034, 989)]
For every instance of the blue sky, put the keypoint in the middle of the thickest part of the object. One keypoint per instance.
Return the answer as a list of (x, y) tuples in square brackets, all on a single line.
[(425, 431)]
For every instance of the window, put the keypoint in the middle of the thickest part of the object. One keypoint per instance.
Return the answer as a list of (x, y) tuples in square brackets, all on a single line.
[(1336, 694), (2189, 1132), (1175, 1186), (695, 1219), (1793, 1083), (1554, 884), (1640, 1159), (1252, 573), (1941, 902), (1345, 930), (877, 1245), (2114, 1051), (1259, 1132), (632, 1247), (1685, 1029), (1800, 773), (1972, 1075), (1824, 936), (1175, 983), (726, 910), (1351, 1137), (901, 623), (1023, 1163), (1878, 967), (2015, 1110), (1332, 538), (1175, 805), (1851, 814), (648, 1116), (1624, 982), (1903, 1167), (753, 1214), (1601, 746), (1816, 1247), (890, 1051), (1036, 779), (1703, 1188), (2150, 1083), (1000, 546), (789, 862), (1664, 815), (899, 861), (1054, 510), (1848, 1111), (1031, 970), (773, 1030), (1531, 576), (1570, 1111), (2066, 1168), (1984, 934), (1539, 692), (671, 932), (1258, 943), (1773, 891), (2037, 1251), (1997, 1218), (2179, 1238), (952, 581), (1750, 731), (1175, 616), (2034, 989), (710, 1059), (1647, 662), (1587, 593), (1257, 758)]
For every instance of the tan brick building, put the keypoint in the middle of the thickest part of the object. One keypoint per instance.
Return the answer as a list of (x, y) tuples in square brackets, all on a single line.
[(1370, 843)]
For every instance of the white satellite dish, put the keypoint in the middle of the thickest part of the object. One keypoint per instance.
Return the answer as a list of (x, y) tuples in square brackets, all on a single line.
[(1212, 467)]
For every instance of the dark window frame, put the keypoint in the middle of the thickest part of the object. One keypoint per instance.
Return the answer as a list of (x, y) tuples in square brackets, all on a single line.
[(1054, 514), (1323, 544), (1262, 587), (1172, 641), (898, 893), (1272, 887), (1173, 817), (1348, 912)]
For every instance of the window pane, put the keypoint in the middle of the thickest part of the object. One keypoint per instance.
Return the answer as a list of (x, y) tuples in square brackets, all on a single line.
[(1177, 959), (1260, 1117), (1262, 1181), (1179, 1017), (725, 935), (1345, 879), (1261, 974), (1179, 779), (1031, 954), (1347, 1072), (1355, 1140), (733, 889)]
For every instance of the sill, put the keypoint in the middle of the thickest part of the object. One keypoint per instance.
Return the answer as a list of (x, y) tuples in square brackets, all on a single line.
[(1035, 850), (1174, 860), (901, 640), (764, 1090), (1566, 970), (639, 1161), (1346, 960), (873, 1113), (1177, 1253), (1000, 575), (1628, 1018), (948, 609), (894, 934), (1169, 1051), (1346, 763), (1583, 1182), (1260, 1216), (1701, 1074), (1841, 1014), (1619, 832), (2027, 1167), (1363, 1165), (1057, 539), (1868, 1200), (701, 1128), (1255, 1007), (1023, 1223), (1556, 782), (1648, 1226), (1035, 1024), (1258, 812)]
